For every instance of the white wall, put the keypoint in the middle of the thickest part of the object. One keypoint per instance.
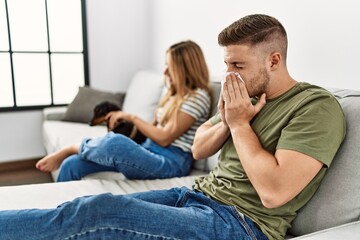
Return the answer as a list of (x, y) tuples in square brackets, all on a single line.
[(20, 135), (127, 35), (119, 41), (323, 35)]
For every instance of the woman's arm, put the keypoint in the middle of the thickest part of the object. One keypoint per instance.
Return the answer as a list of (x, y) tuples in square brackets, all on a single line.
[(172, 130), (163, 136)]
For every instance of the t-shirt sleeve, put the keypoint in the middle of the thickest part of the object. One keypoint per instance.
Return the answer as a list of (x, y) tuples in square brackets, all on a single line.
[(197, 105), (215, 119), (317, 130)]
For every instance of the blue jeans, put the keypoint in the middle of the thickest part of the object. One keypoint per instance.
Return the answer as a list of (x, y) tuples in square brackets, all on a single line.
[(115, 152), (177, 213)]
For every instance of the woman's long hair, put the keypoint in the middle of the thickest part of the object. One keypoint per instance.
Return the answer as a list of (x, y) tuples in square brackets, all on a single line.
[(188, 70)]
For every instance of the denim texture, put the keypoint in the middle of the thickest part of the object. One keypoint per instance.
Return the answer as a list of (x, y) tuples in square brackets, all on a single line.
[(115, 152), (177, 213)]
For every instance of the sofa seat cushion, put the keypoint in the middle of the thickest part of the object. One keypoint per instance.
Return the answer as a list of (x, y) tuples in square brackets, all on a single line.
[(336, 202), (50, 195), (59, 134), (118, 176)]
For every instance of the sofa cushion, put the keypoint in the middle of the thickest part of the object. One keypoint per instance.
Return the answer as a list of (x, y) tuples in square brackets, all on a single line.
[(143, 94), (82, 107), (347, 231), (215, 94), (50, 195), (337, 201), (60, 134)]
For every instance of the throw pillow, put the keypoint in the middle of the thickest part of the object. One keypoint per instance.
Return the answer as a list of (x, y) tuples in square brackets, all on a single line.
[(81, 108)]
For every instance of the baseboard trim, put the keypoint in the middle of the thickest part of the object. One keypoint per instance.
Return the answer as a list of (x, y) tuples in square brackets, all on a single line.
[(21, 164)]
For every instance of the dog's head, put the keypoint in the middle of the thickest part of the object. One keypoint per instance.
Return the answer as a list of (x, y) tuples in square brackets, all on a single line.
[(100, 111)]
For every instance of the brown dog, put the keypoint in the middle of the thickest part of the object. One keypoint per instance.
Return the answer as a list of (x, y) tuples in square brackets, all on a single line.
[(126, 128)]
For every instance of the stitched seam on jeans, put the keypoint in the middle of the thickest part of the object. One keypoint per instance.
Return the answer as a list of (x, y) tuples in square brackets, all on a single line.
[(80, 234), (244, 223), (185, 197)]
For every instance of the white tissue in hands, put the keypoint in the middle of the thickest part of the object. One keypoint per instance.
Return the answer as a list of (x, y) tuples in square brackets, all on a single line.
[(223, 79)]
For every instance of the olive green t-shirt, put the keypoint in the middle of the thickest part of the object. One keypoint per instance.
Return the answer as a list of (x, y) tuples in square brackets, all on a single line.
[(307, 119)]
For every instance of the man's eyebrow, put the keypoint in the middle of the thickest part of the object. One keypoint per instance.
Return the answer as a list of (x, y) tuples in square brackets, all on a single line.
[(234, 62)]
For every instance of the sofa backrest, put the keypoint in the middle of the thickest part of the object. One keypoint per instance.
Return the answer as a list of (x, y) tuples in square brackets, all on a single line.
[(145, 85), (337, 201), (206, 165), (215, 91)]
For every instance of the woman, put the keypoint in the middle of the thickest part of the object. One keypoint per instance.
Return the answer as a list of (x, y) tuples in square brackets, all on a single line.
[(167, 151)]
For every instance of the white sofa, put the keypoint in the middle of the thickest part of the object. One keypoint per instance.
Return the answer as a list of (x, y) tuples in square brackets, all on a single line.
[(333, 213)]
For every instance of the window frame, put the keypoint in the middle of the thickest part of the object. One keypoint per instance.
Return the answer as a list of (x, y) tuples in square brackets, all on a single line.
[(16, 108)]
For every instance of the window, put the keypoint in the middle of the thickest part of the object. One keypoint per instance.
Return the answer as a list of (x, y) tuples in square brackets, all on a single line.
[(43, 57)]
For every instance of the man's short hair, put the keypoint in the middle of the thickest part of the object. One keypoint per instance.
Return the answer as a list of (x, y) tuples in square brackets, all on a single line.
[(254, 30)]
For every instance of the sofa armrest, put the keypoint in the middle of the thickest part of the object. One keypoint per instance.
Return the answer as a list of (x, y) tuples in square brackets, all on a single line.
[(54, 113), (347, 231)]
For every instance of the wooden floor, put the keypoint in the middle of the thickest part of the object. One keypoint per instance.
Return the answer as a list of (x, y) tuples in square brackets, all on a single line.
[(22, 172)]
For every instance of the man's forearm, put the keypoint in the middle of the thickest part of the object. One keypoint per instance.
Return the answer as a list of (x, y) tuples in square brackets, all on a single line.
[(209, 139), (258, 162)]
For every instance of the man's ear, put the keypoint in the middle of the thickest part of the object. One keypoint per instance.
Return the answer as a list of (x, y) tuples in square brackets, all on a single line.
[(275, 60)]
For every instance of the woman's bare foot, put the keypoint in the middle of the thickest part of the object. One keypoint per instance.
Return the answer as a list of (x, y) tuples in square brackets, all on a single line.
[(53, 161)]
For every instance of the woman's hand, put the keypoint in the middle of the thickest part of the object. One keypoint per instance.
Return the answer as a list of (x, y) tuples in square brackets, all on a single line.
[(113, 118)]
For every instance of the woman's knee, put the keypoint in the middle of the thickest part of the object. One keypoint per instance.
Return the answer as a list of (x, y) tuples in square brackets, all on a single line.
[(100, 148)]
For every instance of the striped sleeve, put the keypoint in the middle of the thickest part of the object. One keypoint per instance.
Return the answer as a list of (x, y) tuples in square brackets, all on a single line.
[(197, 105)]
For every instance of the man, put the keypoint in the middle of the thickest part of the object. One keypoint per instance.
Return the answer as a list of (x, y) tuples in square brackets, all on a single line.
[(274, 152), (277, 138)]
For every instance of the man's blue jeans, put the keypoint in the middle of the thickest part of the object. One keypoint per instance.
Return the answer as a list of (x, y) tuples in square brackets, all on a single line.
[(178, 213), (115, 152)]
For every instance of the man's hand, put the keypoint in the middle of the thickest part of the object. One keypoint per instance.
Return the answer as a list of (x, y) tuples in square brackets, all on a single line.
[(221, 109), (237, 107)]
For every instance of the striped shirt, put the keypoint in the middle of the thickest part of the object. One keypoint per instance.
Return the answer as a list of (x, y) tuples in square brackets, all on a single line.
[(196, 105)]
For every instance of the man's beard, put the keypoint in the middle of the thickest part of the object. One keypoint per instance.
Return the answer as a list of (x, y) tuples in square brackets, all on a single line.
[(258, 84)]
